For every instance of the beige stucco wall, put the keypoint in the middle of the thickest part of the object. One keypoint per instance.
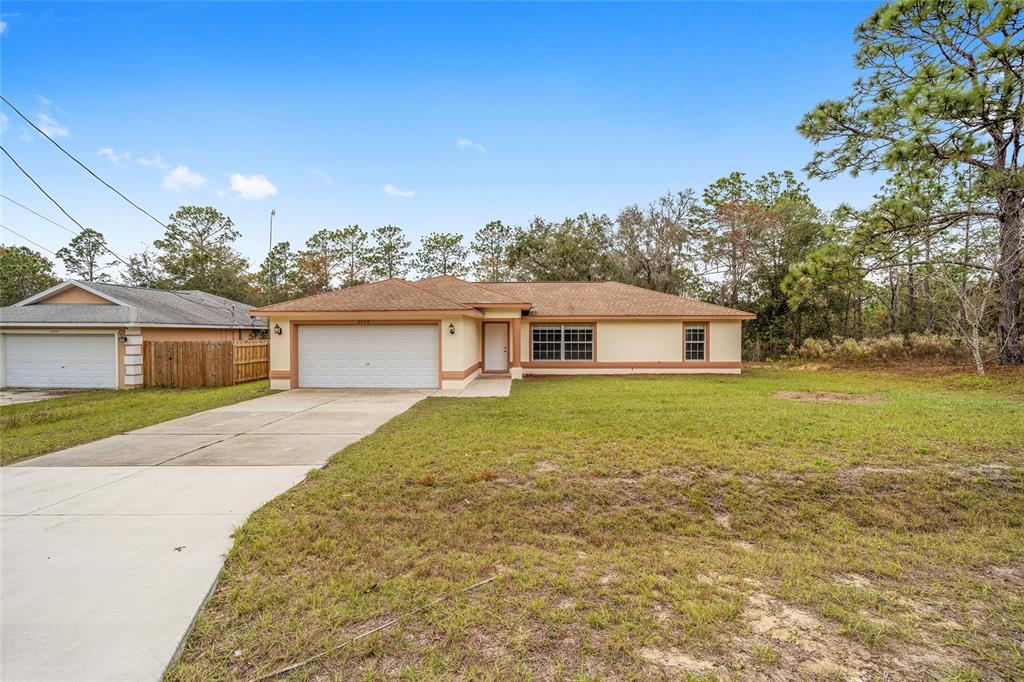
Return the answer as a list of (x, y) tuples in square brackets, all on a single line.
[(456, 348), (660, 341), (726, 341), (470, 342), (280, 351), (74, 295)]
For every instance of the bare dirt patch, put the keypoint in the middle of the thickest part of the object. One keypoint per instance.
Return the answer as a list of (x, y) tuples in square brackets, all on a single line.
[(815, 646), (676, 660), (826, 397)]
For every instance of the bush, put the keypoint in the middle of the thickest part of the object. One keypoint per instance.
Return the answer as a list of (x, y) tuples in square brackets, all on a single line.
[(890, 350)]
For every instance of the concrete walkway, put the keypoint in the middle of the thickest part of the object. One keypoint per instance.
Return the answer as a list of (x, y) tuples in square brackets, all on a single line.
[(109, 549), (481, 387)]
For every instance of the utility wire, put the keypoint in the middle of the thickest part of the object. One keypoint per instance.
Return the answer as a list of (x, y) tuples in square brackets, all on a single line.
[(57, 203), (90, 172), (37, 214), (36, 244), (104, 182), (107, 248), (73, 158)]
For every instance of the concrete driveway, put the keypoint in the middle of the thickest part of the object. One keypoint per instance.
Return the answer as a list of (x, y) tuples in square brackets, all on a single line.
[(109, 549)]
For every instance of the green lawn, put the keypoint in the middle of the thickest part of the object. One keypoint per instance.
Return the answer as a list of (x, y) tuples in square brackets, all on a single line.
[(32, 429), (647, 527)]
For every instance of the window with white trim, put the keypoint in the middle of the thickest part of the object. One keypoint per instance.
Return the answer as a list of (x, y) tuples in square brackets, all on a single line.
[(563, 342), (695, 342)]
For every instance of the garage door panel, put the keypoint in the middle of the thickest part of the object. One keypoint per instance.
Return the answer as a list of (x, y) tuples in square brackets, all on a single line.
[(60, 361), (368, 356)]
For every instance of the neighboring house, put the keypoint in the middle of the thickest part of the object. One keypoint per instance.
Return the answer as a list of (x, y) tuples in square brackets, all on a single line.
[(445, 331), (89, 335)]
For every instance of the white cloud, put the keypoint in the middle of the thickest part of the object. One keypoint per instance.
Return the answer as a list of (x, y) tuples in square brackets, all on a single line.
[(395, 192), (322, 175), (3, 27), (181, 178), (113, 157), (468, 145), (51, 126), (151, 162), (252, 186)]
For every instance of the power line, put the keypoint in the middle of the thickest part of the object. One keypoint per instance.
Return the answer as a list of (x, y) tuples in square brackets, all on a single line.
[(36, 244), (57, 203), (37, 214), (90, 172), (72, 218), (73, 158)]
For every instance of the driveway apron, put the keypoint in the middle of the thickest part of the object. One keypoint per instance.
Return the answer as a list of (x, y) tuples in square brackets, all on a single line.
[(109, 549)]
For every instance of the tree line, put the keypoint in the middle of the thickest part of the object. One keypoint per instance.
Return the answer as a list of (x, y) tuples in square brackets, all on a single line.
[(939, 110)]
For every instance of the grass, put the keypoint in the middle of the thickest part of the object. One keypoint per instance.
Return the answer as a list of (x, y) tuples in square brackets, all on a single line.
[(646, 527), (33, 429)]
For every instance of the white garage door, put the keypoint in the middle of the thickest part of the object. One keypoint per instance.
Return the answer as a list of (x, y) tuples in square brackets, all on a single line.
[(60, 361), (368, 356)]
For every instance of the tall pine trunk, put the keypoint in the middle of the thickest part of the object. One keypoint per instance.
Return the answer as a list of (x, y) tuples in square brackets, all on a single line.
[(926, 285), (1011, 215)]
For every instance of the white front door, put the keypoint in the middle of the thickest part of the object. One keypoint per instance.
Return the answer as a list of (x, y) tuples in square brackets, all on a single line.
[(495, 347), (368, 356), (60, 360)]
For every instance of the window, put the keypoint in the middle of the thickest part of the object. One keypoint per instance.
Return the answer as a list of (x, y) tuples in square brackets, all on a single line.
[(694, 342), (563, 342)]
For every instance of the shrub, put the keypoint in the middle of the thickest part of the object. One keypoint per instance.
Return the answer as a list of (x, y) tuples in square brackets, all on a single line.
[(889, 350)]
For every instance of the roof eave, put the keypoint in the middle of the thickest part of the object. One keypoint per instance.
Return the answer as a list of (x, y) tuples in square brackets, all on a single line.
[(686, 318), (264, 312)]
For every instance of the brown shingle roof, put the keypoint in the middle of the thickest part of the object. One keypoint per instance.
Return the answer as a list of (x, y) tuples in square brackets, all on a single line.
[(464, 292), (547, 299), (599, 299), (386, 295)]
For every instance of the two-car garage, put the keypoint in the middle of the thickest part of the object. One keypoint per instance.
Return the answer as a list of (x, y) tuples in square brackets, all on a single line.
[(368, 355), (66, 360)]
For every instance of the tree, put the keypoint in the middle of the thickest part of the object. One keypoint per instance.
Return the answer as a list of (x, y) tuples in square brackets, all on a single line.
[(944, 88), (82, 256), (274, 281), (491, 245), (350, 245), (442, 253), (23, 272), (577, 248), (654, 244), (197, 252), (143, 270), (317, 265), (388, 256)]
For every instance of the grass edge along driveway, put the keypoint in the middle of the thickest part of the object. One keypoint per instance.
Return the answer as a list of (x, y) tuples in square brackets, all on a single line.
[(31, 429), (643, 528)]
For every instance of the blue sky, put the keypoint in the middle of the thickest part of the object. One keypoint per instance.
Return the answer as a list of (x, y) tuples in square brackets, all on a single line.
[(336, 114)]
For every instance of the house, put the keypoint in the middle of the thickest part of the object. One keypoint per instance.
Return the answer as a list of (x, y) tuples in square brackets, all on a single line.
[(89, 335), (445, 332)]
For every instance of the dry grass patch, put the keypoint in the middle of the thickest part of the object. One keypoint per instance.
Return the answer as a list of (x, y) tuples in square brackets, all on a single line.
[(643, 529)]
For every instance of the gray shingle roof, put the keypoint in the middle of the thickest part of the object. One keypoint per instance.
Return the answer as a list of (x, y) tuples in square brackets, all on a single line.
[(141, 307)]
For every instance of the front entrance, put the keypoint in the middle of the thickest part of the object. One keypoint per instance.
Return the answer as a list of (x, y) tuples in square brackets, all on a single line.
[(495, 346)]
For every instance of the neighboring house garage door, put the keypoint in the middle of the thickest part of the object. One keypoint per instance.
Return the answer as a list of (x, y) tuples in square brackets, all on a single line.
[(60, 361), (368, 356)]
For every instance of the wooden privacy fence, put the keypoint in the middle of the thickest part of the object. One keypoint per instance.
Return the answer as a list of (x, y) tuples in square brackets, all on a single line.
[(190, 364)]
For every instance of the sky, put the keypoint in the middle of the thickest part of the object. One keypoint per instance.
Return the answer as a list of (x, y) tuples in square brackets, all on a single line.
[(433, 117)]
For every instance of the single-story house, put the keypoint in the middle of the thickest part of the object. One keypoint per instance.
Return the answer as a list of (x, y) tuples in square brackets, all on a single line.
[(445, 331), (90, 334)]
